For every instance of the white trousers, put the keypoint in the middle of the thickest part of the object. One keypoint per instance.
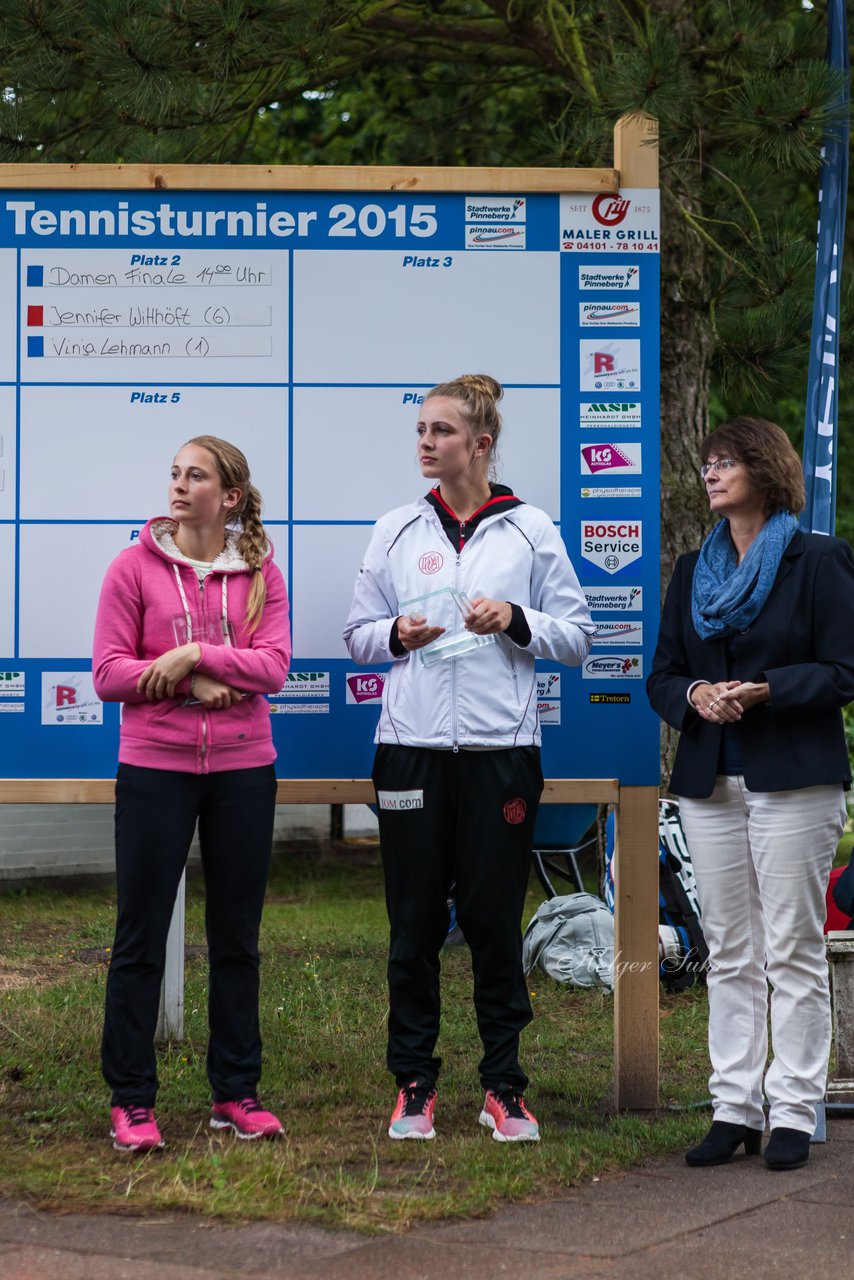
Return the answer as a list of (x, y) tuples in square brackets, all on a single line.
[(762, 861)]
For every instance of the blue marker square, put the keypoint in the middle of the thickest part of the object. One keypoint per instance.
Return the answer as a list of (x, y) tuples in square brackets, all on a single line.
[(35, 346), (35, 277)]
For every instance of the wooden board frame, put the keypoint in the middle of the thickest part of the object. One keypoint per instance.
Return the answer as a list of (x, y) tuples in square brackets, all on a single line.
[(636, 845)]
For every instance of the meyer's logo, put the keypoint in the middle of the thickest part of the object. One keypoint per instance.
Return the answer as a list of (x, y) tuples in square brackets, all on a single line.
[(365, 688), (618, 633), (611, 546), (610, 457), (610, 366), (612, 667), (11, 683), (615, 278), (400, 801), (614, 599), (598, 315), (610, 211), (305, 684), (483, 209), (501, 236), (616, 414)]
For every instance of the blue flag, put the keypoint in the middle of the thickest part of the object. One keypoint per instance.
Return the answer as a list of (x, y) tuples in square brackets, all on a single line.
[(822, 408)]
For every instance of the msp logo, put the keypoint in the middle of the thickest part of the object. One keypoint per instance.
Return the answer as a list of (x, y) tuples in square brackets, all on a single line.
[(612, 667), (514, 811), (614, 599), (305, 684), (500, 236), (548, 712), (610, 366), (11, 684), (431, 562), (623, 457), (68, 697), (484, 209), (614, 278), (618, 633), (365, 688), (610, 415), (611, 545), (599, 315), (548, 684)]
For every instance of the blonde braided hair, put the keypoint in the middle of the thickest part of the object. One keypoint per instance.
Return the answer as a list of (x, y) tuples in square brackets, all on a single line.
[(479, 394), (233, 471)]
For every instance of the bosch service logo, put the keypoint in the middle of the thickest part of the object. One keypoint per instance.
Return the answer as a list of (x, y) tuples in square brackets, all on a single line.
[(431, 562), (609, 211)]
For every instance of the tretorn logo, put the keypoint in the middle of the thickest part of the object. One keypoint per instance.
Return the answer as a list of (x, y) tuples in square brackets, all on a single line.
[(431, 562)]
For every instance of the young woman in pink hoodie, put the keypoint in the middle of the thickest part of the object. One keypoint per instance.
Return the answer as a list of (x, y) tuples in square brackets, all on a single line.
[(191, 633)]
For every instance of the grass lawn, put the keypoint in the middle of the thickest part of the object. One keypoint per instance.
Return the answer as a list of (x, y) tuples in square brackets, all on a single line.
[(323, 1010)]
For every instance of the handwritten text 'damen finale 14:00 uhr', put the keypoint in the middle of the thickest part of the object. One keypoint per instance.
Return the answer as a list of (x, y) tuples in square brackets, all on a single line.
[(217, 325)]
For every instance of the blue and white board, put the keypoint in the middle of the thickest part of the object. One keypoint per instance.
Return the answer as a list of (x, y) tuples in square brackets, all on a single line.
[(306, 327)]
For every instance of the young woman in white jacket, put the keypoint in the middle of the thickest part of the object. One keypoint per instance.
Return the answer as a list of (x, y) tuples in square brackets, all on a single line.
[(457, 769)]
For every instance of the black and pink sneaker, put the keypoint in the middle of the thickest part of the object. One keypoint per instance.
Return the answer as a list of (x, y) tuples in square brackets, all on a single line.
[(413, 1115), (135, 1129), (246, 1118), (505, 1113)]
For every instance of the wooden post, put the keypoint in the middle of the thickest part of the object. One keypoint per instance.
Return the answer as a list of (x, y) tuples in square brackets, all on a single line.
[(636, 949)]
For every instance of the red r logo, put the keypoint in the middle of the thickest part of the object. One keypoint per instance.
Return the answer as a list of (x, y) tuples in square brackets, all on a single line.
[(514, 811), (431, 562)]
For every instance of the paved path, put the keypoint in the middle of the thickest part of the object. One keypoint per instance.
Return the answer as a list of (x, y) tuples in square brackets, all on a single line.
[(661, 1222)]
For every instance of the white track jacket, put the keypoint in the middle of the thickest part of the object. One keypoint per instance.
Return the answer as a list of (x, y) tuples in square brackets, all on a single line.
[(486, 698)]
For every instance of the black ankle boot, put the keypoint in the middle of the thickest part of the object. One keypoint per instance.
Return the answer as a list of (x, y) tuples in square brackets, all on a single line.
[(723, 1140), (787, 1149)]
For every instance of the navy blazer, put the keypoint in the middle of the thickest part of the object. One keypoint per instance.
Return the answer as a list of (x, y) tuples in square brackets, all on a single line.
[(801, 643)]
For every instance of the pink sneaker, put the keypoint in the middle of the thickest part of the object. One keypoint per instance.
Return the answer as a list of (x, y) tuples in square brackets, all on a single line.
[(505, 1113), (247, 1118), (134, 1129), (413, 1115)]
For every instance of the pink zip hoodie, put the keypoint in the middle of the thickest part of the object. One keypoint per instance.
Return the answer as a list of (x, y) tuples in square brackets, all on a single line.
[(145, 588)]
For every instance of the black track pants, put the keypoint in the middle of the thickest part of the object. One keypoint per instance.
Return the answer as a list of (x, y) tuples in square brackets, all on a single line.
[(467, 817), (156, 812)]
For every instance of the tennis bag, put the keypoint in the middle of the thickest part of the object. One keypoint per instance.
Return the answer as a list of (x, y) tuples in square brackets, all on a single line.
[(571, 938), (683, 954)]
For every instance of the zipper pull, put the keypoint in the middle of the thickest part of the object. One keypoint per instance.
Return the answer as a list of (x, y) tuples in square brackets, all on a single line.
[(456, 749), (462, 533)]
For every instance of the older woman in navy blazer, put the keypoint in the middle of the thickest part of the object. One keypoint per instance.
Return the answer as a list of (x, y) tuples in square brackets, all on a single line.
[(754, 663)]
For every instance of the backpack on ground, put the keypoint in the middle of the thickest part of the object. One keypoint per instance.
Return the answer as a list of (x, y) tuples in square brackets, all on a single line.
[(683, 954), (571, 938)]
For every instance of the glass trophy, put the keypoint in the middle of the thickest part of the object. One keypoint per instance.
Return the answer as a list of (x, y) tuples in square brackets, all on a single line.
[(445, 608)]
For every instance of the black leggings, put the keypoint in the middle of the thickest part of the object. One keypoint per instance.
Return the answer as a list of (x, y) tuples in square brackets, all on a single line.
[(467, 817), (156, 813)]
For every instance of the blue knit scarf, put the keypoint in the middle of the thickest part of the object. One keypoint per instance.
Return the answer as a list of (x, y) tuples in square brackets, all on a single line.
[(727, 596)]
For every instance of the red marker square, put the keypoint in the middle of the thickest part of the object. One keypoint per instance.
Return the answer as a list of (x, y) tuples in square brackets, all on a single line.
[(35, 316)]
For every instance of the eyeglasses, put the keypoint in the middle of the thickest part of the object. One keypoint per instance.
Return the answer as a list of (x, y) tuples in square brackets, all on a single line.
[(721, 464)]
